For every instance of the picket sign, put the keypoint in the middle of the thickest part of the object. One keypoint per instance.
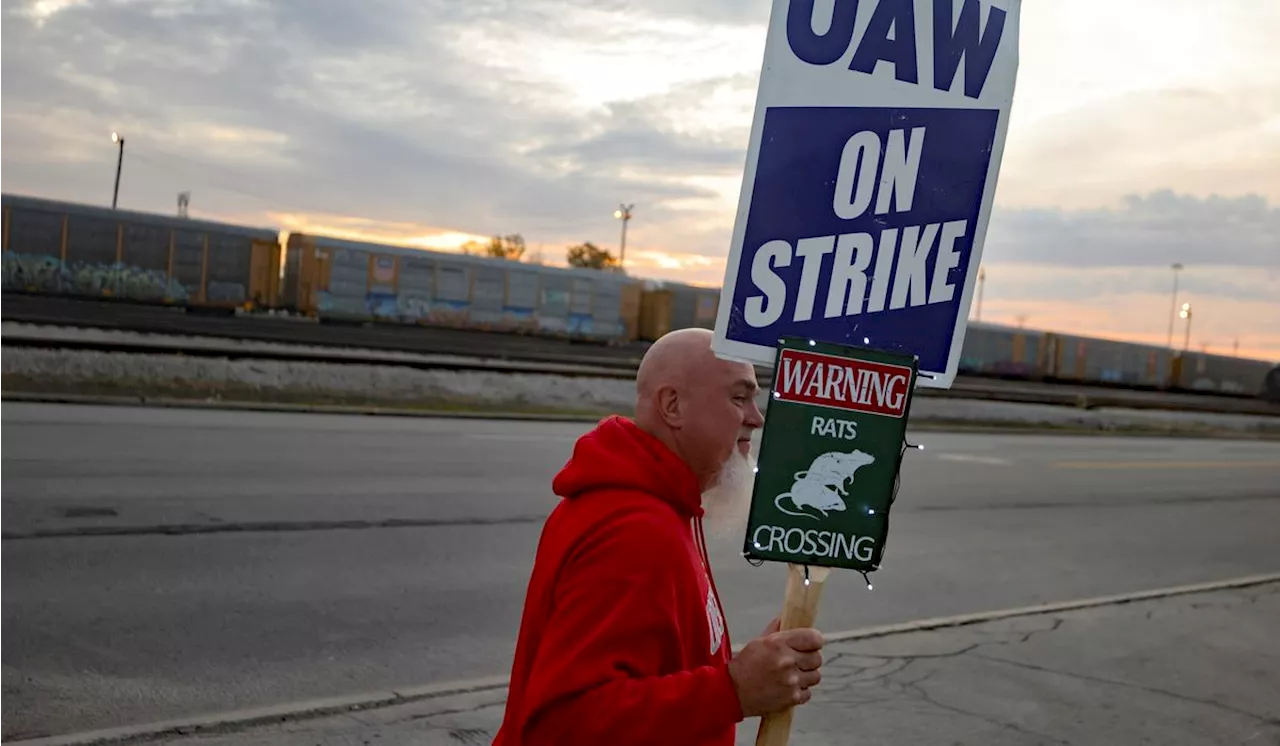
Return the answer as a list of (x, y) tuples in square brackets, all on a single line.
[(875, 147), (830, 454)]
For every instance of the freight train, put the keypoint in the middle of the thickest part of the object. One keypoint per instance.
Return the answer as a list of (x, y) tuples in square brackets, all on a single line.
[(60, 248)]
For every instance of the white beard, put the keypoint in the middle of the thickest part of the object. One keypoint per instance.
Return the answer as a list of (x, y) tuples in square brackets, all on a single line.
[(727, 503)]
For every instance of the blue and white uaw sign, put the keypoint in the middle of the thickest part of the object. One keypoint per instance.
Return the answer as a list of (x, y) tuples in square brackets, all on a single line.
[(878, 132)]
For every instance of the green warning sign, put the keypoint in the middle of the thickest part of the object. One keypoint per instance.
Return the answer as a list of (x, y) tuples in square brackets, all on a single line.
[(833, 441)]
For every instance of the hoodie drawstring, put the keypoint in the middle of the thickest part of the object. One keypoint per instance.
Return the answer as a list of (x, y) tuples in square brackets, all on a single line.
[(701, 541)]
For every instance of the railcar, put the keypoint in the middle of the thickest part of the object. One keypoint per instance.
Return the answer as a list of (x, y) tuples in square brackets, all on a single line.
[(997, 350), (336, 279), (1271, 385), (1198, 371), (68, 249), (1070, 357), (669, 305)]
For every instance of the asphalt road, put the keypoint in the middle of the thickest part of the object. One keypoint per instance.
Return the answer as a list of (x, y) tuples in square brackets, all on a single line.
[(285, 577)]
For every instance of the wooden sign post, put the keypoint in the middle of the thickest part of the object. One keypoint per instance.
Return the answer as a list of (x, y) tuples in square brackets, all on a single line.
[(834, 437), (799, 609)]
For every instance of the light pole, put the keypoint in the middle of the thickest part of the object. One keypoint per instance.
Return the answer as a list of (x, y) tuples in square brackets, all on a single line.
[(982, 281), (623, 213), (1173, 306), (116, 138), (1186, 314)]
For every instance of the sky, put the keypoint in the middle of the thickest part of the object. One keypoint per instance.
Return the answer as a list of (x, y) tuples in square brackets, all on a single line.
[(1143, 133)]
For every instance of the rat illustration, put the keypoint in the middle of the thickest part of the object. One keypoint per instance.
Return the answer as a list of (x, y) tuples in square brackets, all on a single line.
[(821, 486)]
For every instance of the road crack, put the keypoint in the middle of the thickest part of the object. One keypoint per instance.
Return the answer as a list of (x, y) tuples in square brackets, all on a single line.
[(918, 688), (1132, 685), (453, 711)]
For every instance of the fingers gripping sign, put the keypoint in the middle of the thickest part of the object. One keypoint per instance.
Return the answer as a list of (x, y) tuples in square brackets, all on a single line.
[(775, 671)]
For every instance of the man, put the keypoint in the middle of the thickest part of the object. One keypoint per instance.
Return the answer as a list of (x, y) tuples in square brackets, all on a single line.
[(623, 639)]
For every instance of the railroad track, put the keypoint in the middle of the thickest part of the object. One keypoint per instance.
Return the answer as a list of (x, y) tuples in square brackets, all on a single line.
[(121, 316), (268, 338)]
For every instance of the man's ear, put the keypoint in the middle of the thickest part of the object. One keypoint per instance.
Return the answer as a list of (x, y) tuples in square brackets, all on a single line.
[(670, 408)]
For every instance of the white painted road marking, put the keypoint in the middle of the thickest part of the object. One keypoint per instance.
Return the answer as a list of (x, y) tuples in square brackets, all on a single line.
[(1162, 464), (970, 458)]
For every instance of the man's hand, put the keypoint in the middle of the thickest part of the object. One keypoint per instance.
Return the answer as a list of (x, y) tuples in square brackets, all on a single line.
[(774, 671)]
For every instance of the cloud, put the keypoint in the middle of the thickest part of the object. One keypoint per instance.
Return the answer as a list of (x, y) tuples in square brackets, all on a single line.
[(1164, 93), (1206, 141), (1155, 229), (388, 112), (426, 121)]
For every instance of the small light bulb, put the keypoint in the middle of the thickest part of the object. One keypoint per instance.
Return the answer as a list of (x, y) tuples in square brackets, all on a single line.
[(812, 343), (871, 511), (806, 581), (866, 340), (777, 394), (755, 470), (870, 587)]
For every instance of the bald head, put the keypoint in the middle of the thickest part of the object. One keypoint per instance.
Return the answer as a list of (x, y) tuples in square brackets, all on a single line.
[(673, 359), (700, 406)]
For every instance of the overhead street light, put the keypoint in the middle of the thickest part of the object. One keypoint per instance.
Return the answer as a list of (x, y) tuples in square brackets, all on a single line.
[(623, 213), (1185, 313), (116, 138), (1173, 305)]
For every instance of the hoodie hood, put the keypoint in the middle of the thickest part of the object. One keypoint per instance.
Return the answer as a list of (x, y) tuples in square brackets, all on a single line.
[(618, 455)]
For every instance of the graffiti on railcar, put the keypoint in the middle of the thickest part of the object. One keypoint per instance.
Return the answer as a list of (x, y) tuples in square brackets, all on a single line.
[(43, 273), (34, 273)]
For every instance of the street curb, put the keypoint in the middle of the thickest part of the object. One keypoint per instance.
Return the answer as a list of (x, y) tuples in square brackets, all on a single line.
[(240, 719), (982, 617), (497, 415)]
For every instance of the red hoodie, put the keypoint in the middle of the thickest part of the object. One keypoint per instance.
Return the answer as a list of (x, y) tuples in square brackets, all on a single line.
[(623, 638)]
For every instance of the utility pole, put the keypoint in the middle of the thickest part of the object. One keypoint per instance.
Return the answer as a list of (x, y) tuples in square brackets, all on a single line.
[(623, 213), (116, 138), (1173, 306)]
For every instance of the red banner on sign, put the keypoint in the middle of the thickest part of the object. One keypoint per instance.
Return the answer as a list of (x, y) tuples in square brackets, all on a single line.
[(840, 383)]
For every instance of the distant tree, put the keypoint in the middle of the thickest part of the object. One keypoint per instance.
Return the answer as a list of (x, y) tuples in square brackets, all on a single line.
[(501, 247), (589, 256)]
